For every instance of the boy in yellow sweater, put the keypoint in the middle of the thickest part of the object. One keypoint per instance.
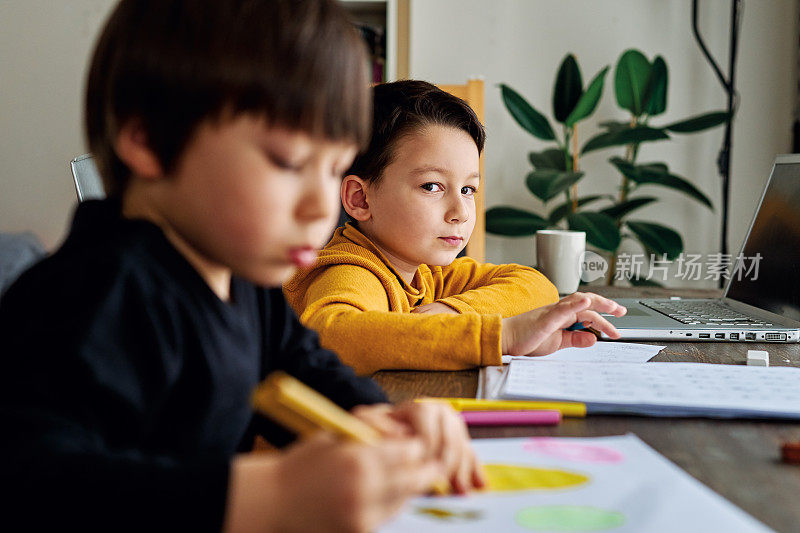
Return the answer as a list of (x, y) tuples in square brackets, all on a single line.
[(387, 292)]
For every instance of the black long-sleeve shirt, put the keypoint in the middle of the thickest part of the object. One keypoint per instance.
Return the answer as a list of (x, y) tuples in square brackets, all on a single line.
[(125, 381)]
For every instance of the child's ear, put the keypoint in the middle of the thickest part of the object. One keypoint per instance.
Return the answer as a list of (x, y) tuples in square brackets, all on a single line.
[(354, 197), (131, 146)]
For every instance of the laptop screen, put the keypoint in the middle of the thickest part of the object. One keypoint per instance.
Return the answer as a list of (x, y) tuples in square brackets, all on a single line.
[(768, 275)]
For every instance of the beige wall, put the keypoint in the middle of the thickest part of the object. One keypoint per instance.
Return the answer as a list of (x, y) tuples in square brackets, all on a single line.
[(44, 46), (522, 42)]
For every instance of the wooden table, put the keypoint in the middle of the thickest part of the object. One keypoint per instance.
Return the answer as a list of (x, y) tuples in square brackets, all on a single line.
[(739, 459)]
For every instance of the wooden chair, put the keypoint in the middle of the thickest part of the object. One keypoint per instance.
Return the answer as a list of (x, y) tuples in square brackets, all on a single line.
[(472, 93)]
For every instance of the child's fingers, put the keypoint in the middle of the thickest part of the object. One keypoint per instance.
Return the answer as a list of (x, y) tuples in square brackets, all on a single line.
[(577, 339), (448, 441), (605, 305), (564, 313), (539, 332), (451, 438), (464, 471), (406, 482), (444, 437), (316, 441), (479, 479), (397, 469), (380, 417), (454, 445), (474, 470), (405, 452), (577, 297), (598, 303), (463, 462), (597, 322), (543, 331), (423, 417), (413, 470), (430, 430)]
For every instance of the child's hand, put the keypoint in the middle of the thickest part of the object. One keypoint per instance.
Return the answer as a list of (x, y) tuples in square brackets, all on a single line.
[(323, 483), (380, 417), (443, 433), (434, 307), (542, 331)]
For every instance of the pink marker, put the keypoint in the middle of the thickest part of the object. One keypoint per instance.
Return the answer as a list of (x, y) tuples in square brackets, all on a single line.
[(511, 418)]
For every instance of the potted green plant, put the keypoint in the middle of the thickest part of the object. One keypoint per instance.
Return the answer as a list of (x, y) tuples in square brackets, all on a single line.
[(640, 88)]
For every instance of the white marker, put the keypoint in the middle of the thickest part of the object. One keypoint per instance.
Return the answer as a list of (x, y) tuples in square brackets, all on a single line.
[(757, 358)]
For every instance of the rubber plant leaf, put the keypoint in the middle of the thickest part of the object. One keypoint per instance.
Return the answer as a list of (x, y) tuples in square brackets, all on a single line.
[(601, 230), (568, 88), (630, 81), (513, 222), (588, 101), (526, 116)]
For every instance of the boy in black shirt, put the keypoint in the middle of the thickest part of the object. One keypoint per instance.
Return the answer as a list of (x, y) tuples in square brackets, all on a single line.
[(221, 130)]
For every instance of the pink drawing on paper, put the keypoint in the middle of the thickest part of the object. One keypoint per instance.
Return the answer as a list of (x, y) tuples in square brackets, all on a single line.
[(585, 453)]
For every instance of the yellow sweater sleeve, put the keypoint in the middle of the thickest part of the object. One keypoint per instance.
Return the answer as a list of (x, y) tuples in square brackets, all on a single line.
[(469, 286), (348, 306)]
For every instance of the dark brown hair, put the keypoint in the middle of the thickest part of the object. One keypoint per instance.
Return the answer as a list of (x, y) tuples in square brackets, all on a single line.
[(175, 63), (404, 107)]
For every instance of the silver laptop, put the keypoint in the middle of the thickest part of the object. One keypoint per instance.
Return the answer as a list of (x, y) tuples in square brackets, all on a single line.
[(760, 304)]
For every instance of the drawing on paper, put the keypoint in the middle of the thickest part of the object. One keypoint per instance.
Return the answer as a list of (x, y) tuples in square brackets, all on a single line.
[(573, 451), (572, 518), (576, 485), (448, 515), (506, 478)]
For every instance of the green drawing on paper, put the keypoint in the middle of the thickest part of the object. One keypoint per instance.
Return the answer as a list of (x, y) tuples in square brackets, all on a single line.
[(572, 518)]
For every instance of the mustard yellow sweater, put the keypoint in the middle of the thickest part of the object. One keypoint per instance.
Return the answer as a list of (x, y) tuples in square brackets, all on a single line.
[(361, 307)]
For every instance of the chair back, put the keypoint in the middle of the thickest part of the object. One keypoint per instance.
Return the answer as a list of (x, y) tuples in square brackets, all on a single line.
[(472, 93), (88, 184)]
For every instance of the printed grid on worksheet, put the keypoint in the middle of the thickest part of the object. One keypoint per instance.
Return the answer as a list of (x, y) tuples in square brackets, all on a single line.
[(731, 387)]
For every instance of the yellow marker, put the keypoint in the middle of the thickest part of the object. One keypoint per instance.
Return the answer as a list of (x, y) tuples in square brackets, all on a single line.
[(304, 411), (573, 409)]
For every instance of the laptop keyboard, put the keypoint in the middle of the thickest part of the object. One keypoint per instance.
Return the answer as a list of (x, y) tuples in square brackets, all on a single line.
[(706, 313)]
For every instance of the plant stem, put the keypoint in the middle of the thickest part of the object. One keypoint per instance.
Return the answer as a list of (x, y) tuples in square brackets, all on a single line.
[(568, 163), (630, 155), (575, 167), (612, 267)]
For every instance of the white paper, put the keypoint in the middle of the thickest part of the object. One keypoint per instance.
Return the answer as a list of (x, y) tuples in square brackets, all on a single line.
[(601, 351), (661, 389), (618, 484), (490, 381), (492, 378)]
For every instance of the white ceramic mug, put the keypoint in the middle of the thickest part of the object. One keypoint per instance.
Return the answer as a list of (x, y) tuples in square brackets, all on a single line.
[(558, 256)]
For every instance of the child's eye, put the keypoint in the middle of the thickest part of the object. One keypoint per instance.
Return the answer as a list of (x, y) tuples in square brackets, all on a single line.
[(432, 187), (286, 165), (282, 163), (468, 190)]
